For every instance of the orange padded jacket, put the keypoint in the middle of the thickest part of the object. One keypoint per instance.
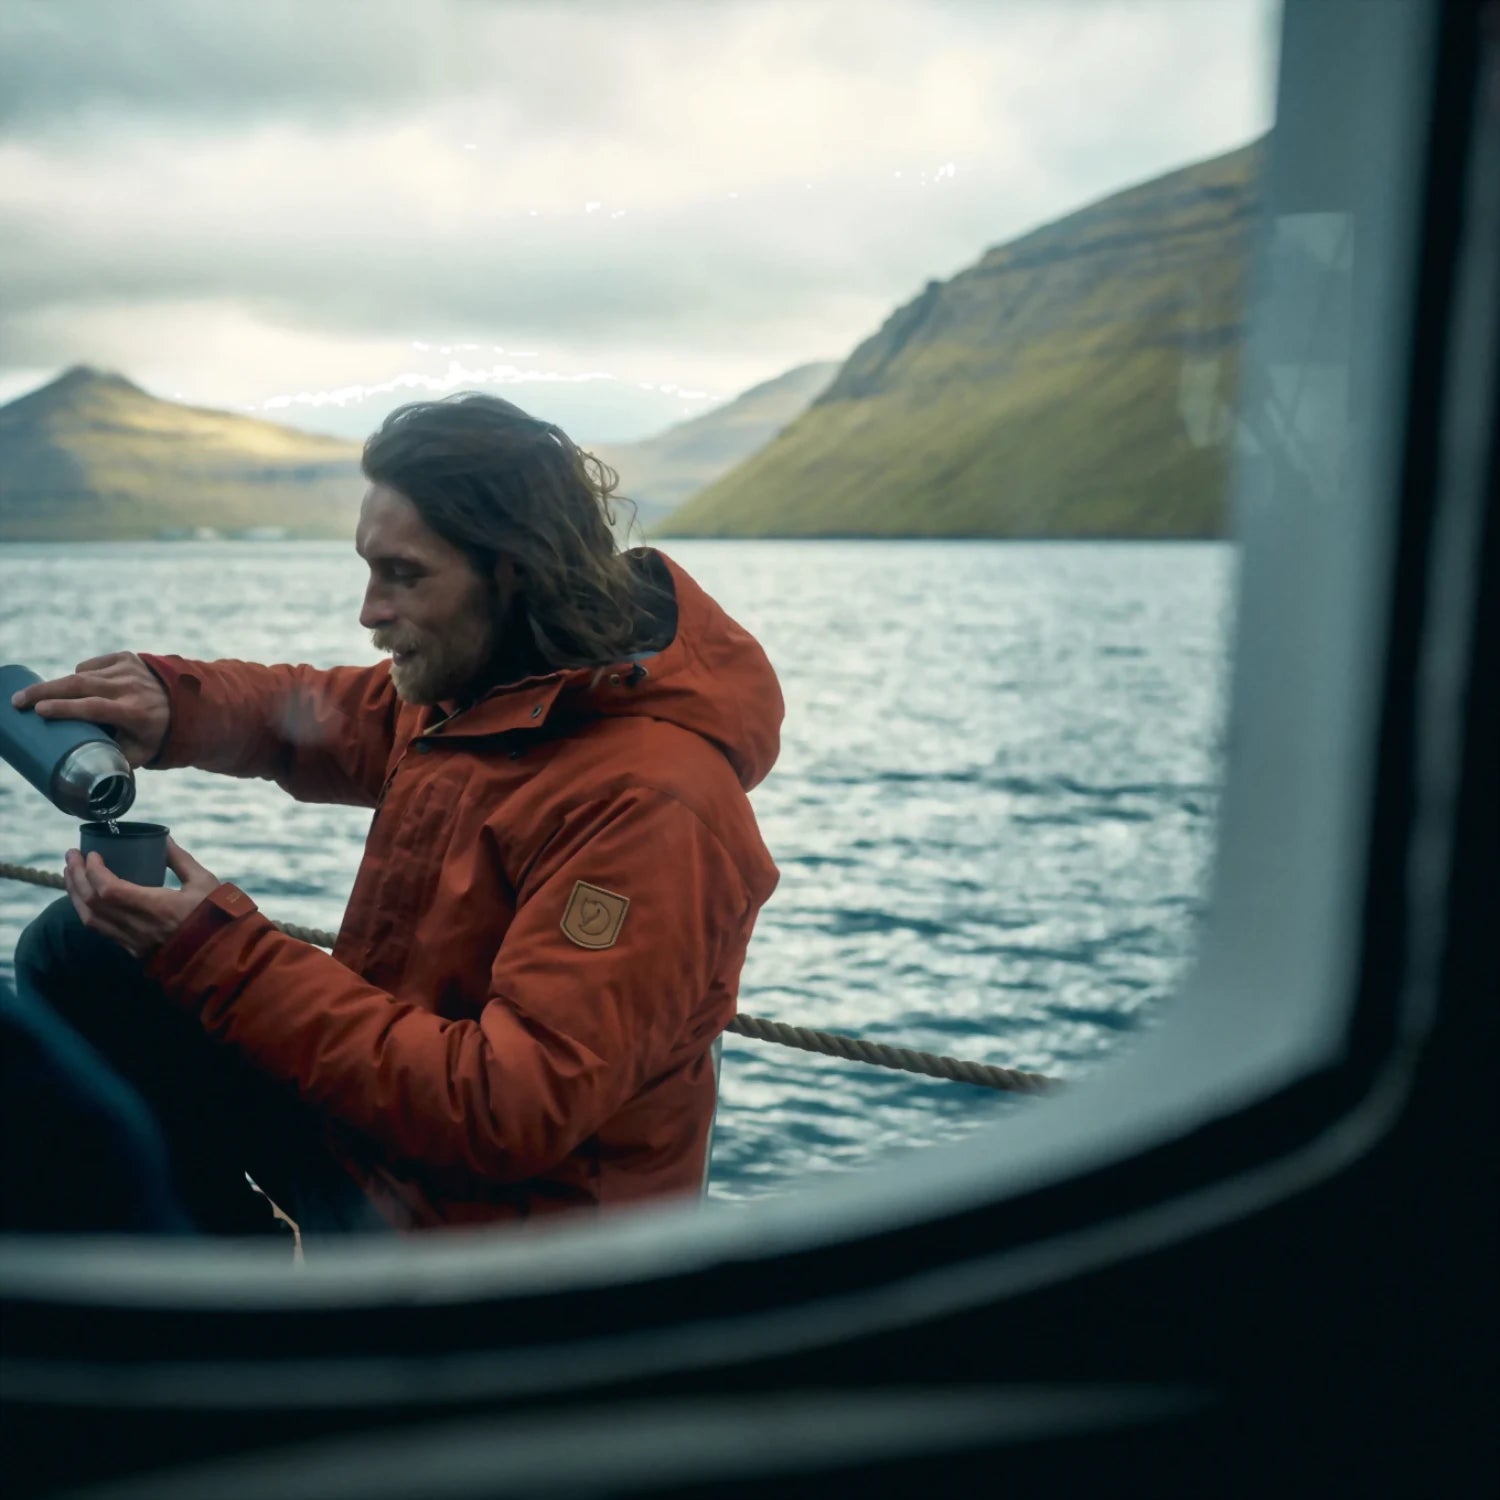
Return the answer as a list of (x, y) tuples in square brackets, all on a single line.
[(546, 932)]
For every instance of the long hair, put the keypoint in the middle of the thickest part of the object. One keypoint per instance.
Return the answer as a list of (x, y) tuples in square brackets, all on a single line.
[(496, 482)]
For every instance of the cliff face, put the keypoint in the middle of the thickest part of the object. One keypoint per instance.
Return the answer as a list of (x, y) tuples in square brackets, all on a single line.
[(92, 457), (1074, 382)]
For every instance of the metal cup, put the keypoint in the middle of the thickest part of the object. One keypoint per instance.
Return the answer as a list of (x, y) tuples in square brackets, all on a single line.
[(138, 852)]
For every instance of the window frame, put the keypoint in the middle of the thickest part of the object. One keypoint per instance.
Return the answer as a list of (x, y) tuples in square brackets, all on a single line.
[(1288, 1054)]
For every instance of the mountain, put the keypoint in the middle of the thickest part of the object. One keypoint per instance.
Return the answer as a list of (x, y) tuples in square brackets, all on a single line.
[(1076, 382), (662, 472), (92, 457)]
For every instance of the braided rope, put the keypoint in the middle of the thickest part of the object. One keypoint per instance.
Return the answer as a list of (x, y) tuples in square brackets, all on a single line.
[(32, 877), (829, 1043), (879, 1055)]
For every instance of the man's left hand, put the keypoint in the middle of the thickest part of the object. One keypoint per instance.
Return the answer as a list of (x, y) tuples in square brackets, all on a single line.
[(140, 918)]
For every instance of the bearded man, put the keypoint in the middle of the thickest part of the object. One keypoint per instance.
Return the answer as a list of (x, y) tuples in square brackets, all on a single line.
[(545, 937)]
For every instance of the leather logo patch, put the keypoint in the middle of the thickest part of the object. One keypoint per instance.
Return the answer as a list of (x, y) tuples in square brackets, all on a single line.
[(594, 916)]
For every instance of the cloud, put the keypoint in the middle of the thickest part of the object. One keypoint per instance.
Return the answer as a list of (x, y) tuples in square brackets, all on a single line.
[(586, 66), (178, 60), (742, 185), (418, 244)]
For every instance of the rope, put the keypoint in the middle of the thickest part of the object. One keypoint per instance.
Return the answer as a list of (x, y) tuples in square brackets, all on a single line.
[(32, 877), (879, 1055), (829, 1043)]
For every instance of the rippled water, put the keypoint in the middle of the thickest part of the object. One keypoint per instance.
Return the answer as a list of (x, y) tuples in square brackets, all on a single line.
[(993, 813)]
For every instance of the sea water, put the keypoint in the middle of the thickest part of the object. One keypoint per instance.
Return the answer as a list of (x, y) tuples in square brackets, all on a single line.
[(993, 813)]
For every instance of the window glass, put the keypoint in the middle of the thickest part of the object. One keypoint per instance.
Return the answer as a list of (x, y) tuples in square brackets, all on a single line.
[(913, 329)]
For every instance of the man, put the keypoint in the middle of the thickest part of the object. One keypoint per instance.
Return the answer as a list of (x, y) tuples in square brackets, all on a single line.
[(547, 930)]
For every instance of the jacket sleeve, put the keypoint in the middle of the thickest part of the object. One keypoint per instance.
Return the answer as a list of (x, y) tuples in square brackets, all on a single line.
[(322, 735), (567, 1035)]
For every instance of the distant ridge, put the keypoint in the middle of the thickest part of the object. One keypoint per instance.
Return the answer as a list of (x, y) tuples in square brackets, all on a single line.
[(1075, 382), (659, 473), (73, 385), (91, 456)]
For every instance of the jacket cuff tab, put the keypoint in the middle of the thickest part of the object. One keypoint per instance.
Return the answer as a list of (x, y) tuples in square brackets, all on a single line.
[(221, 906)]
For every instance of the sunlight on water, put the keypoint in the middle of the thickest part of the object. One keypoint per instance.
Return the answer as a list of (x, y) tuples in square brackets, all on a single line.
[(993, 813)]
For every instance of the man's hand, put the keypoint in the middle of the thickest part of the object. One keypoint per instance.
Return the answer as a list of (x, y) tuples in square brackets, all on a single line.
[(119, 690), (140, 918)]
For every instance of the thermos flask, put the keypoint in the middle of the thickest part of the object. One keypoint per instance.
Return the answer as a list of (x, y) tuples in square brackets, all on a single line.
[(74, 764)]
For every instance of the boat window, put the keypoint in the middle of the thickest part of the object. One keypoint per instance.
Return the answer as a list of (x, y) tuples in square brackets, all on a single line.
[(998, 367), (992, 552)]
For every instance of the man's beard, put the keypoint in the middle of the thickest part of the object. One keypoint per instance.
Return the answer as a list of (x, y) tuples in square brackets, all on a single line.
[(439, 668)]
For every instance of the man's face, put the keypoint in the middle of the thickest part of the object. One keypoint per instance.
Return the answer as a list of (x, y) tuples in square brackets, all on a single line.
[(424, 603)]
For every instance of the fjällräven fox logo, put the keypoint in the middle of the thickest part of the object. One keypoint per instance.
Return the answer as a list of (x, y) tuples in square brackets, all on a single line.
[(594, 916)]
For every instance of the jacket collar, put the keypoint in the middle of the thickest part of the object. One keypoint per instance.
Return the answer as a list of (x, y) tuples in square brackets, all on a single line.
[(527, 704), (711, 677)]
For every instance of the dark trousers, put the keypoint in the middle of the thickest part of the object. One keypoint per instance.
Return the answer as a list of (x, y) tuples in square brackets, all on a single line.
[(215, 1116), (79, 1151)]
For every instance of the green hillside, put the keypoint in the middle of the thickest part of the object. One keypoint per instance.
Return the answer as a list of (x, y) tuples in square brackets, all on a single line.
[(661, 472), (1074, 383), (91, 457)]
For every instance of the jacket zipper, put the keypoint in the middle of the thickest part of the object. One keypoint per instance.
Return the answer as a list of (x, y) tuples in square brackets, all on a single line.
[(424, 735)]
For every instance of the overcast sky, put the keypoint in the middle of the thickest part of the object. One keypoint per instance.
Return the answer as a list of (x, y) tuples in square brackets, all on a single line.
[(617, 214)]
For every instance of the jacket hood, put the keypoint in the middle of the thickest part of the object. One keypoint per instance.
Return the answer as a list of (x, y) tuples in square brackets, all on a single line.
[(712, 678)]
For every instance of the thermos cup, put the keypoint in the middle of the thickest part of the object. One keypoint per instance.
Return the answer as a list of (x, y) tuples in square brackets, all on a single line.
[(74, 764), (136, 852)]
